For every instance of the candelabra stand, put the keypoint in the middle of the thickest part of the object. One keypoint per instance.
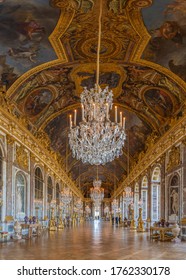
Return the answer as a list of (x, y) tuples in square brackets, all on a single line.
[(133, 223), (52, 222), (140, 227), (60, 222), (74, 219)]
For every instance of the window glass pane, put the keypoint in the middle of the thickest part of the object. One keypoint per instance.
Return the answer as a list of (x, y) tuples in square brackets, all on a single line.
[(136, 200), (144, 204), (38, 184), (57, 194), (49, 190)]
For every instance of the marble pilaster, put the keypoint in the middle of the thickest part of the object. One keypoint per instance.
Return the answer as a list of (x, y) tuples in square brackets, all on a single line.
[(9, 187)]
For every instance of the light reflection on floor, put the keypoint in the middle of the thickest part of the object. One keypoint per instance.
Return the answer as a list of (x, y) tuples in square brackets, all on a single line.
[(92, 241)]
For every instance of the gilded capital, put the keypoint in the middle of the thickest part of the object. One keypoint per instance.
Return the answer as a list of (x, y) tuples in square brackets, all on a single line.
[(10, 140)]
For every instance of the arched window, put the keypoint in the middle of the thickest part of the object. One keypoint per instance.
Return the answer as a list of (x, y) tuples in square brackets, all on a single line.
[(38, 184), (155, 194), (136, 201), (20, 196), (144, 197), (49, 190), (57, 194)]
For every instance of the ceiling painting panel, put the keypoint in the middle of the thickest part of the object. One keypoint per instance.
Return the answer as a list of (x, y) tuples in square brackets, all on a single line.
[(167, 46), (24, 30), (159, 102)]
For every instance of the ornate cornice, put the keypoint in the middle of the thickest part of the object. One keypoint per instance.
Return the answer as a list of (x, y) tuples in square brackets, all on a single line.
[(173, 136), (17, 132)]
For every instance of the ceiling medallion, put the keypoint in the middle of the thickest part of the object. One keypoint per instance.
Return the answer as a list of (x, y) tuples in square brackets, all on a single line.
[(109, 48), (97, 140)]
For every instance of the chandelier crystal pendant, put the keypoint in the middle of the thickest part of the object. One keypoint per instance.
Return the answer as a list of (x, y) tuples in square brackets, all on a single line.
[(97, 140)]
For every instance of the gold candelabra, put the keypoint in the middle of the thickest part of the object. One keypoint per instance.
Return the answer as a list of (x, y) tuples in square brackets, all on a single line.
[(60, 222), (133, 223), (52, 222), (140, 227)]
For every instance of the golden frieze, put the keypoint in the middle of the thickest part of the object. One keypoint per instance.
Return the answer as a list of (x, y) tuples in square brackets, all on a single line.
[(22, 157)]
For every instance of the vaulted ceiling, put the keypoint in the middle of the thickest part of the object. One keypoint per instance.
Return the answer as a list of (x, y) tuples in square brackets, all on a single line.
[(48, 54)]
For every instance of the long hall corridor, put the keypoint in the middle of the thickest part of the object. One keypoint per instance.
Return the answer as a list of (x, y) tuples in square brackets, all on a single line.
[(92, 241)]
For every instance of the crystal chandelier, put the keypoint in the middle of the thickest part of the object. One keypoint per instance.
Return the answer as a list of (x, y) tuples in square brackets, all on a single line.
[(66, 196), (97, 140), (78, 204), (106, 210), (97, 193), (114, 205), (128, 195)]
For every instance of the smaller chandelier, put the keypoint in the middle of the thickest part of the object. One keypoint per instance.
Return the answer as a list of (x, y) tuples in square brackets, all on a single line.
[(106, 210), (114, 205), (87, 209), (97, 193), (78, 204), (66, 196), (128, 195)]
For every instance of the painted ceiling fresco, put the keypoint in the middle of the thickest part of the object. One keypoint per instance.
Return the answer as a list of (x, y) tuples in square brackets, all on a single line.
[(167, 45), (48, 55), (24, 30)]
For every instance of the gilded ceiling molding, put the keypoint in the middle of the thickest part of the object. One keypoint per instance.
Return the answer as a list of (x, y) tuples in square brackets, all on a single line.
[(135, 18), (174, 135), (15, 131), (28, 74), (67, 5), (64, 21)]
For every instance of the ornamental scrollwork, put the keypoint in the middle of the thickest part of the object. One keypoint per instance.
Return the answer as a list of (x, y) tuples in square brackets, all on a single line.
[(83, 5), (151, 140), (22, 157), (10, 140), (43, 138), (174, 158)]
